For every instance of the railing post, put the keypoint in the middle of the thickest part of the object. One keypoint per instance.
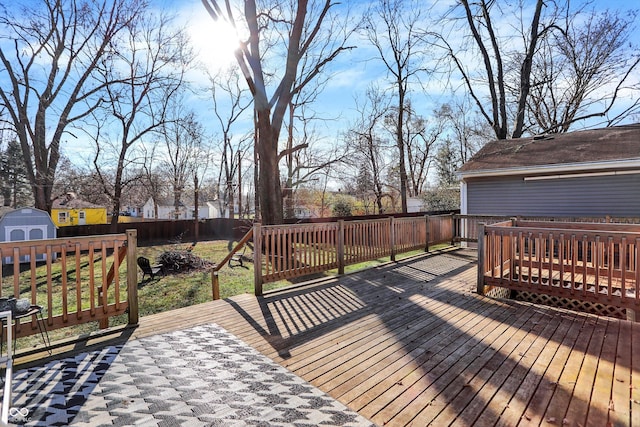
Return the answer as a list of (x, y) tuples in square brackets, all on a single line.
[(257, 259), (215, 285), (481, 258), (392, 235), (426, 243), (631, 315), (132, 276), (453, 226), (341, 260)]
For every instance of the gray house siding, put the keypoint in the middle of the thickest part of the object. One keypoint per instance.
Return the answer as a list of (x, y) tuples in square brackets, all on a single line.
[(26, 224), (615, 195)]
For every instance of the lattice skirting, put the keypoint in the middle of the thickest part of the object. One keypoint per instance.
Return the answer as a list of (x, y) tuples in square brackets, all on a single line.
[(571, 304), (496, 292)]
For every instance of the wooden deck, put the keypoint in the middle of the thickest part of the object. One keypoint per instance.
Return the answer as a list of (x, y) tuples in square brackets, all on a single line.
[(410, 343)]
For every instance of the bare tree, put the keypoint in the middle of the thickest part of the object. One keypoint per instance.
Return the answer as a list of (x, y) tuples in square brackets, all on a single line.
[(151, 65), (230, 102), (182, 138), (294, 28), (393, 27), (541, 68), (478, 21), (50, 54), (152, 177), (582, 70), (81, 180), (365, 138), (420, 136), (303, 154), (309, 165), (465, 126)]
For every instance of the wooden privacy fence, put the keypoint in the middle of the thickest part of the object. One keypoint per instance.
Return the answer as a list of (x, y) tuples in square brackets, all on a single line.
[(289, 251), (78, 282), (591, 262)]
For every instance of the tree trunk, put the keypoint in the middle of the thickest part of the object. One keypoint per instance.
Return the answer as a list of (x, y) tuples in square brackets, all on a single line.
[(239, 185), (42, 188), (117, 193), (288, 190), (230, 196), (401, 150), (196, 230), (270, 190), (525, 72), (256, 169)]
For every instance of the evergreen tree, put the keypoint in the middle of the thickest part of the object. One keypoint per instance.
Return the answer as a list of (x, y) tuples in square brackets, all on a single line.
[(14, 186), (447, 163), (342, 207)]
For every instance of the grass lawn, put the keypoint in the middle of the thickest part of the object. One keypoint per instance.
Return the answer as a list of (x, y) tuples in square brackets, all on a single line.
[(173, 291)]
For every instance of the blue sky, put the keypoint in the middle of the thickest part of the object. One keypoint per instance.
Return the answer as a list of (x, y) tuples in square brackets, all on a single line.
[(351, 72)]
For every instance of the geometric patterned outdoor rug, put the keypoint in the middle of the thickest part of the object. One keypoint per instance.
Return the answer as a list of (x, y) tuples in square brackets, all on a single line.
[(201, 376)]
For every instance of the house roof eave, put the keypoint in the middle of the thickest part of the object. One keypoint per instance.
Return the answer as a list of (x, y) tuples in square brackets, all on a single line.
[(553, 169)]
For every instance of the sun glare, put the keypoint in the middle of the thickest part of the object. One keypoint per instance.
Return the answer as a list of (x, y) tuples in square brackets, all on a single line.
[(215, 41)]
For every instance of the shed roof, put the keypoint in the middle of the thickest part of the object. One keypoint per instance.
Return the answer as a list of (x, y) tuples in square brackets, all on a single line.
[(26, 212), (612, 144), (5, 210)]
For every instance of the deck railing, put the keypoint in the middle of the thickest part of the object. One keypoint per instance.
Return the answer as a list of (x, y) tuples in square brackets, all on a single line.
[(289, 251), (593, 262), (466, 226), (75, 280)]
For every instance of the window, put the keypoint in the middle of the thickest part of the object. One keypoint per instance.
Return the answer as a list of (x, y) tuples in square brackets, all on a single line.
[(63, 217), (81, 215)]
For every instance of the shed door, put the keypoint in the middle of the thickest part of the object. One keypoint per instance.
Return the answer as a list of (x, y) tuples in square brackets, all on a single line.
[(82, 218), (20, 233), (17, 234)]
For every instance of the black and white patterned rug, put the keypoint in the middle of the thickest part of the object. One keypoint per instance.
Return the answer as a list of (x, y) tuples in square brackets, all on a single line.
[(202, 376)]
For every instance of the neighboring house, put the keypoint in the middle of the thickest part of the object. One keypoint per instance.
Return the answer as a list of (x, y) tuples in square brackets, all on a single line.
[(69, 210), (591, 173), (129, 210), (167, 210), (415, 204), (25, 224), (299, 212), (213, 210)]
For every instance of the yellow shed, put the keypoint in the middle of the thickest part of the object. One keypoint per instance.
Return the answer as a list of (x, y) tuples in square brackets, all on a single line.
[(69, 210)]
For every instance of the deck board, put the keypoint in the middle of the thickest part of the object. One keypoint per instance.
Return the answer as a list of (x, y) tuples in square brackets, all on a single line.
[(494, 372), (621, 384), (516, 410), (460, 390), (539, 402), (410, 343), (566, 384), (469, 356), (604, 382), (389, 370), (519, 364)]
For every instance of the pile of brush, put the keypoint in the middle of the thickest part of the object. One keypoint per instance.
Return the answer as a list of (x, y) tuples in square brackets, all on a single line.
[(182, 261)]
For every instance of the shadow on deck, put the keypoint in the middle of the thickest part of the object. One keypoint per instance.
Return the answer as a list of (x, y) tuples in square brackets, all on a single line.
[(410, 343)]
